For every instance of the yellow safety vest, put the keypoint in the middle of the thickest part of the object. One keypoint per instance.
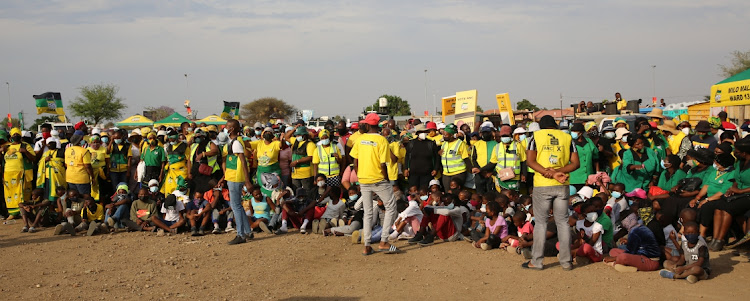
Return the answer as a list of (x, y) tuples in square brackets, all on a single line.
[(452, 161), (552, 151), (328, 165), (211, 159), (508, 158)]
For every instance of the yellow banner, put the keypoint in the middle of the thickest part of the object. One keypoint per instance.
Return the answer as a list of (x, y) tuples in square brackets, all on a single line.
[(466, 107), (731, 94), (505, 108), (449, 106)]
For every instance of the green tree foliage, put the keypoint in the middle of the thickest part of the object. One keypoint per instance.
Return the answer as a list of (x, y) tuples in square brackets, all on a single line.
[(479, 109), (525, 104), (159, 113), (262, 109), (338, 118), (739, 61), (396, 105), (98, 103)]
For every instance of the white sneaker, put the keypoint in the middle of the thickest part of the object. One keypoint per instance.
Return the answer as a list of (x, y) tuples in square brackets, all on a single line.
[(59, 229), (485, 246), (229, 229), (456, 236)]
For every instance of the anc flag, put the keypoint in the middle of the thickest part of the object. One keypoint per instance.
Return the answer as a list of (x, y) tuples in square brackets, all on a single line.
[(50, 103), (230, 110)]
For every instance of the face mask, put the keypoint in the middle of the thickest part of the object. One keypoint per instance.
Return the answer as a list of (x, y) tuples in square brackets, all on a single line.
[(521, 137), (505, 139), (591, 216), (434, 203), (268, 136), (287, 143), (341, 132), (616, 194), (486, 136), (226, 131), (609, 135), (105, 139), (153, 189), (566, 131), (574, 135), (593, 134), (198, 140), (624, 139), (527, 207), (422, 136), (299, 138), (686, 131), (483, 208), (716, 166), (142, 197), (325, 141), (354, 197), (51, 146), (152, 142), (257, 133), (664, 166), (692, 238), (321, 184), (630, 202), (692, 163), (118, 141), (647, 134), (451, 206), (423, 197)]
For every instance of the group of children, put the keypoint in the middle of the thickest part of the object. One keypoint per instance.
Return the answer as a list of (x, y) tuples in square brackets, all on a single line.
[(612, 226)]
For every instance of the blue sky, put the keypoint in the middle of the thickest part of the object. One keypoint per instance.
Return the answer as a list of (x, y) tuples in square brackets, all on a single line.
[(338, 56)]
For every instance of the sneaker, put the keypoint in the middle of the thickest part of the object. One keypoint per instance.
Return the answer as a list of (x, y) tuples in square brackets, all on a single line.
[(428, 240), (69, 228), (341, 223), (237, 240), (249, 237), (666, 274), (110, 222), (265, 228), (103, 228), (160, 232), (280, 231), (582, 260), (303, 231), (485, 246), (216, 231), (315, 224), (717, 246), (59, 229), (468, 239), (456, 236), (201, 232), (740, 242), (355, 237), (692, 279), (229, 229), (416, 239), (24, 229), (194, 232), (625, 269), (32, 230)]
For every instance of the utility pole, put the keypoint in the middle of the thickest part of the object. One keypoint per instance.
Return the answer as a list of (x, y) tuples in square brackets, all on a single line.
[(10, 124), (425, 89), (653, 68)]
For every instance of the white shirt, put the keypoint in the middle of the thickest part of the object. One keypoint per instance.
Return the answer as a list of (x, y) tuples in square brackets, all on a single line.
[(172, 215), (618, 206), (333, 210), (411, 210), (237, 147), (594, 228)]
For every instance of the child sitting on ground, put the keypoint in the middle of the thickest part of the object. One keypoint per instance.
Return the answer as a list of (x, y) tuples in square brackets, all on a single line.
[(172, 219), (693, 263), (141, 211), (522, 243), (589, 236), (298, 211), (262, 208), (92, 217), (69, 207), (496, 229), (332, 217), (407, 223), (617, 203), (455, 187), (34, 211), (198, 211), (118, 211), (354, 214), (218, 198)]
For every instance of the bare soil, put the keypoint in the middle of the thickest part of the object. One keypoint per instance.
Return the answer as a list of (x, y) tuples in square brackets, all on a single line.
[(294, 266)]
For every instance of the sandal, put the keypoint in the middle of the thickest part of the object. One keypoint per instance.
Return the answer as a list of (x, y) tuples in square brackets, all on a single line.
[(369, 252), (527, 265), (392, 250)]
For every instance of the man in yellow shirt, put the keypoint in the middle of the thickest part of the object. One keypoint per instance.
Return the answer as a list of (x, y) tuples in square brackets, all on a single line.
[(454, 156), (370, 154), (267, 153), (327, 159), (18, 172), (301, 164), (553, 156), (79, 171), (235, 175)]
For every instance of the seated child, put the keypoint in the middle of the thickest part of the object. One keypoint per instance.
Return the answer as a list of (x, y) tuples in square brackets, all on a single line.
[(692, 264), (218, 199), (408, 221), (262, 207), (522, 243), (141, 211), (455, 187), (617, 203), (198, 211), (424, 197), (353, 215), (34, 211), (69, 207), (496, 228), (606, 222), (92, 217), (172, 218), (298, 210), (279, 194), (434, 186), (590, 235), (446, 220), (333, 214), (119, 209)]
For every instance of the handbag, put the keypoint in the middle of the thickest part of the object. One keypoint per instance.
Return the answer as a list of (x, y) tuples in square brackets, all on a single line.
[(205, 169), (690, 184), (140, 170), (506, 174), (656, 190)]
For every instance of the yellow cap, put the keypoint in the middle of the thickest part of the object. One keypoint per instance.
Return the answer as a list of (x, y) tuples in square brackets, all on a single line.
[(15, 131), (324, 132)]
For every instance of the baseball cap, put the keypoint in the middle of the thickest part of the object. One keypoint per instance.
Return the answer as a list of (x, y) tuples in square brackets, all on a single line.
[(451, 128), (372, 119), (434, 182), (431, 125)]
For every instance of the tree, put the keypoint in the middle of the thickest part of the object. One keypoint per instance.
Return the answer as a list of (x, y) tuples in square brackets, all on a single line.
[(739, 61), (98, 103), (41, 120), (14, 121), (525, 104), (479, 109), (338, 118), (396, 105), (262, 109), (159, 113)]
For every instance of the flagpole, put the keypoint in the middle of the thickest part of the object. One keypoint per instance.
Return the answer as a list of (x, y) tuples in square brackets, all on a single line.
[(10, 124)]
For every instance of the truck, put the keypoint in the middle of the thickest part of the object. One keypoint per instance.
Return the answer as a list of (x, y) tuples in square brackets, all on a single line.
[(59, 126)]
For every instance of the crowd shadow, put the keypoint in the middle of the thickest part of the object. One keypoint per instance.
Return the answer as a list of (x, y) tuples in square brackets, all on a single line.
[(723, 264), (16, 241)]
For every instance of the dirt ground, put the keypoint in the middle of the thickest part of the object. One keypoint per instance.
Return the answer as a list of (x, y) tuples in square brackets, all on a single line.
[(312, 267)]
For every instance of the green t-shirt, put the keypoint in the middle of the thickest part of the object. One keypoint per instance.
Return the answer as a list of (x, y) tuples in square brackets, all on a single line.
[(154, 157), (672, 182), (741, 176), (703, 175), (718, 182), (608, 236), (588, 154)]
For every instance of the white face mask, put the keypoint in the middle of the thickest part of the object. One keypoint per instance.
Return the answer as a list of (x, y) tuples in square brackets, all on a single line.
[(321, 184), (609, 135), (422, 136), (625, 139), (592, 216), (686, 131)]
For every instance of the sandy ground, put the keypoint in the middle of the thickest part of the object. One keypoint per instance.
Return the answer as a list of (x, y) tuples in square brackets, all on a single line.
[(295, 266)]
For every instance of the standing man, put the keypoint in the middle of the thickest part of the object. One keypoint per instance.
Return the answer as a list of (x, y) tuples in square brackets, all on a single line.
[(482, 153), (370, 154), (235, 174), (422, 160), (552, 155), (507, 158), (78, 172), (454, 156)]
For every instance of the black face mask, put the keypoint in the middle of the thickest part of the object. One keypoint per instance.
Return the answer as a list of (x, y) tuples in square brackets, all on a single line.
[(341, 132), (268, 136), (15, 139), (487, 136), (593, 134)]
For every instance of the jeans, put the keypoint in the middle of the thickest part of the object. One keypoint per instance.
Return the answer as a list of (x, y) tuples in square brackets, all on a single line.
[(235, 201), (83, 189), (557, 198), (121, 213), (117, 178), (215, 216), (385, 191)]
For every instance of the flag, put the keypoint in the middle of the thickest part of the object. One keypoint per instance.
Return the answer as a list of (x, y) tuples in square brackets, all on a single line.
[(230, 109), (49, 103)]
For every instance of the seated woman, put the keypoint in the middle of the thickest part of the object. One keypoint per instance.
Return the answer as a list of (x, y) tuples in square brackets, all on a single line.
[(701, 167), (639, 164), (713, 190), (669, 178), (737, 197)]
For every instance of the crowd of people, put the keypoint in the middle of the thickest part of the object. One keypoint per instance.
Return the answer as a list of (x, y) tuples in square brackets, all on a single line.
[(637, 196)]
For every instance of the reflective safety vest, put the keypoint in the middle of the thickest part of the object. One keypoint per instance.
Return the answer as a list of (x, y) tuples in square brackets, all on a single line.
[(211, 160), (508, 158), (452, 161), (328, 165)]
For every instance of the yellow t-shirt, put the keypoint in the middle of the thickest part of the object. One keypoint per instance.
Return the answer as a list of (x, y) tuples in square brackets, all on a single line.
[(463, 151), (302, 172), (14, 158), (330, 150), (76, 158), (400, 153), (267, 154), (352, 139), (98, 157), (372, 151), (97, 215)]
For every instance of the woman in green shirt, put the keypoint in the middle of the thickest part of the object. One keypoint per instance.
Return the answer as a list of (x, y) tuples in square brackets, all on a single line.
[(714, 187), (671, 175), (639, 164), (728, 211), (588, 153)]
